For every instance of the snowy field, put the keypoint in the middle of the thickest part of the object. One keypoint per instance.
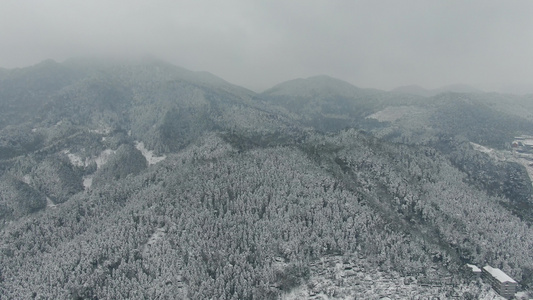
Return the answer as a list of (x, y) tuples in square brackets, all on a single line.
[(394, 113)]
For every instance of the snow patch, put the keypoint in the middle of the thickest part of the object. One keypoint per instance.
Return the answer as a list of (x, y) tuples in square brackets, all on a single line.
[(156, 236), (148, 154), (301, 293), (50, 203), (102, 130), (495, 154), (75, 159), (26, 179), (474, 268), (103, 158), (394, 113), (100, 160), (87, 182)]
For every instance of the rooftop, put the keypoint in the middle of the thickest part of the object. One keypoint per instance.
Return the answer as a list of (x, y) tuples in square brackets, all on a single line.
[(474, 268), (498, 274)]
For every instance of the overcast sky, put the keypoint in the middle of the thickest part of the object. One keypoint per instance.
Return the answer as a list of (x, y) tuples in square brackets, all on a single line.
[(379, 44)]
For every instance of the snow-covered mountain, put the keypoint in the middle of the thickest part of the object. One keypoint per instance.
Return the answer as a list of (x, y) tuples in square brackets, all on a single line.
[(140, 179)]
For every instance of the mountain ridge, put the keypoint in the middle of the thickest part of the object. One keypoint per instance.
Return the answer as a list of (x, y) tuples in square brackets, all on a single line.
[(320, 84), (251, 192), (421, 91)]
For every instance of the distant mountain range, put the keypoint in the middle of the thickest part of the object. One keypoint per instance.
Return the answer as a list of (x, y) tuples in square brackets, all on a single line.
[(140, 179), (420, 91)]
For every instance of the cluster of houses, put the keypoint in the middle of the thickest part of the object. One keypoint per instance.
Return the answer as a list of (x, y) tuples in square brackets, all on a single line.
[(523, 144), (500, 282)]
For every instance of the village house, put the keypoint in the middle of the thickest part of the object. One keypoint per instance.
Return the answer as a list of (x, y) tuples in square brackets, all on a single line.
[(500, 282), (475, 271)]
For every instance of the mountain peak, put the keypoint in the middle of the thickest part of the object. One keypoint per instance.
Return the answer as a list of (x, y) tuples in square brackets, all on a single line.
[(413, 90), (148, 68), (319, 85)]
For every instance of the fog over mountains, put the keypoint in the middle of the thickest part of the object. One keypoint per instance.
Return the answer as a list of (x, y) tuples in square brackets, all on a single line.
[(140, 179)]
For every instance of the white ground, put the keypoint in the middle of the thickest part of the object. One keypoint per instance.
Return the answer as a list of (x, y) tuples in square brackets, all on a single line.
[(79, 162), (100, 160), (497, 155), (87, 181), (50, 203), (103, 157), (394, 113), (521, 296), (75, 159), (26, 179), (148, 154)]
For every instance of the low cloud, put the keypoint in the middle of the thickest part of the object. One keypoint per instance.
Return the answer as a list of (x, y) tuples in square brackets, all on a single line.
[(257, 44)]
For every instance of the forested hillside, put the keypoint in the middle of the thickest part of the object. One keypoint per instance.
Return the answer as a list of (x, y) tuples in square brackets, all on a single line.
[(130, 180)]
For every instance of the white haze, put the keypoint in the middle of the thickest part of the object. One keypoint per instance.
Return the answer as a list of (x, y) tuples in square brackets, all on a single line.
[(378, 44)]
